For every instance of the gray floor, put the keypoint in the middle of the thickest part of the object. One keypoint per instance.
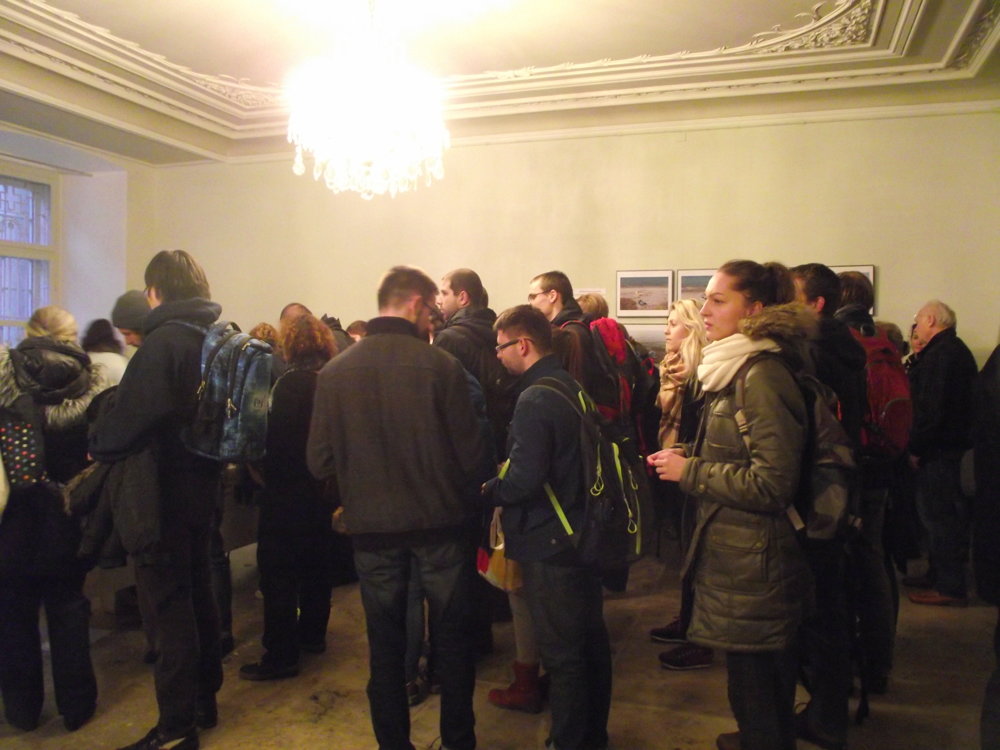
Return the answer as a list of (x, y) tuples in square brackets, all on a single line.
[(943, 659)]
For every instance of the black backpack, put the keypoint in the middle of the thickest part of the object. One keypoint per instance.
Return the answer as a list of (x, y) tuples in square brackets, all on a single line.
[(618, 517), (825, 506)]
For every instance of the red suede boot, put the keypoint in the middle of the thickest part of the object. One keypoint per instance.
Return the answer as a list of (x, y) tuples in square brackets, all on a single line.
[(523, 694)]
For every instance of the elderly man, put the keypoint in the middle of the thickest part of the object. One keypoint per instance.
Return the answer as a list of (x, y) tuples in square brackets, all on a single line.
[(942, 384)]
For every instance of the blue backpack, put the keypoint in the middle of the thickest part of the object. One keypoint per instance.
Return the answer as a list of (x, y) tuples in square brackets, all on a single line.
[(230, 422)]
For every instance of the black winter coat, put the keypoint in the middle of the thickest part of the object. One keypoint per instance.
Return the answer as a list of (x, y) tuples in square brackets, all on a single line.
[(941, 386), (37, 536)]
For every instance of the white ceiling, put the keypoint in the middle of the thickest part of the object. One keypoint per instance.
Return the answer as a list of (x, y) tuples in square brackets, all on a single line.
[(182, 80)]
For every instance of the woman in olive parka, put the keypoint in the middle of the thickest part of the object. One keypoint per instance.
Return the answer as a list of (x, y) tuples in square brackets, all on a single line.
[(751, 580)]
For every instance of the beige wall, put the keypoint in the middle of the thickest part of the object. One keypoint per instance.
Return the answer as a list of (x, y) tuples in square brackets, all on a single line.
[(917, 197)]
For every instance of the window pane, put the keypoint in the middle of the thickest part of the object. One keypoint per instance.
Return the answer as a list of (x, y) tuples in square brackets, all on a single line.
[(24, 211), (24, 287), (11, 335)]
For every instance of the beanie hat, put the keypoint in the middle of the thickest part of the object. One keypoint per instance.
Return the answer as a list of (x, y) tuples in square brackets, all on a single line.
[(130, 310)]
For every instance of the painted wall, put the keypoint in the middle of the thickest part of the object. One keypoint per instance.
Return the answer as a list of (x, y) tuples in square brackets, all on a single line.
[(94, 241), (917, 197)]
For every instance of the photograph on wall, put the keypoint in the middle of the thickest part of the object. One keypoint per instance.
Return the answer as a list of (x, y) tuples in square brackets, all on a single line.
[(644, 293), (651, 336), (868, 271), (691, 283)]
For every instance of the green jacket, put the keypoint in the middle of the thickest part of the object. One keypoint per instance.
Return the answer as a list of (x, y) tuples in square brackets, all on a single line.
[(752, 584)]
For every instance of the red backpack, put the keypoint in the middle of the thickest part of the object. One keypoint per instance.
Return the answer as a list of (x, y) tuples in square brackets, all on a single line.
[(885, 430)]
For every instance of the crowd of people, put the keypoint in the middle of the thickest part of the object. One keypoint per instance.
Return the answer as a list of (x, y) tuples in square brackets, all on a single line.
[(392, 444)]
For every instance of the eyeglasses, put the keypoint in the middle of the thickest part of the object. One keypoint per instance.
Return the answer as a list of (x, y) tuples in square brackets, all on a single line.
[(532, 295), (500, 347)]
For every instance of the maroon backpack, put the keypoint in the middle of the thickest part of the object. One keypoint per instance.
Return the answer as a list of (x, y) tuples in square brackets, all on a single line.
[(885, 430)]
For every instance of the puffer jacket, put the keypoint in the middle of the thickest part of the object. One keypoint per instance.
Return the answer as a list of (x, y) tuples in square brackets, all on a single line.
[(752, 584), (37, 536)]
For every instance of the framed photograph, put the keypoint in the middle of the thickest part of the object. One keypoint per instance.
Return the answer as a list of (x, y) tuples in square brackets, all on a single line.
[(651, 336), (691, 283), (644, 294), (868, 271)]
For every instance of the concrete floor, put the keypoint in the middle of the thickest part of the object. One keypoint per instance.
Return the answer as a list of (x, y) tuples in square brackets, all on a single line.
[(943, 660)]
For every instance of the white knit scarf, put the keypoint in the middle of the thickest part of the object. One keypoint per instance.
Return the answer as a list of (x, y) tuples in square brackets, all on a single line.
[(721, 360)]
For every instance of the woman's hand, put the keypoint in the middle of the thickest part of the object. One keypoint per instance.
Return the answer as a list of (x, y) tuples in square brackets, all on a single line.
[(669, 464)]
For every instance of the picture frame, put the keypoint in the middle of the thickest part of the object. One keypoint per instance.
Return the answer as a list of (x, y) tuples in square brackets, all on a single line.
[(868, 271), (644, 294), (691, 283), (651, 336)]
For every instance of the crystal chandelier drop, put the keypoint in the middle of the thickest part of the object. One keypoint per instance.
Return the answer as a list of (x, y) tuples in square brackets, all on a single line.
[(371, 122)]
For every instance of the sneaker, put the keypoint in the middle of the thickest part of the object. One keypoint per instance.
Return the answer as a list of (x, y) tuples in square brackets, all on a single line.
[(671, 633), (688, 656), (265, 670)]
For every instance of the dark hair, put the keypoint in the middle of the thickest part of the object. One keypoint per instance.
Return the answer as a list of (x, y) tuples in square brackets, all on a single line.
[(402, 282), (305, 340), (526, 321), (856, 289), (100, 337), (358, 328), (769, 284), (819, 281), (292, 305), (468, 281), (558, 281), (175, 275)]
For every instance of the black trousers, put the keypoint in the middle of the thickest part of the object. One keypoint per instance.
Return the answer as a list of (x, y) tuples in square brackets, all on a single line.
[(176, 598), (67, 612), (567, 606), (446, 574), (296, 583), (762, 697)]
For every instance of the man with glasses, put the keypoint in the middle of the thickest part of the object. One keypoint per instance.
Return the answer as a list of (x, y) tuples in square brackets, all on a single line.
[(563, 596), (394, 429), (551, 293)]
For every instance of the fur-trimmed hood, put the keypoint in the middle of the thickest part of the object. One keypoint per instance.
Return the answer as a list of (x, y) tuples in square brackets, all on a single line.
[(791, 326), (60, 416)]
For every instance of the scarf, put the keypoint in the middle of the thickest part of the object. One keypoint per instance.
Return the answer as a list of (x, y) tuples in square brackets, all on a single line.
[(673, 383), (721, 360)]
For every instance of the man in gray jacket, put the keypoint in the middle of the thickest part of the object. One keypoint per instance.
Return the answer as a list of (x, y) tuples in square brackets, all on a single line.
[(394, 429)]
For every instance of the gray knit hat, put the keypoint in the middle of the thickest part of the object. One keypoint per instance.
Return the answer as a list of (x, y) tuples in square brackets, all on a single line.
[(130, 311)]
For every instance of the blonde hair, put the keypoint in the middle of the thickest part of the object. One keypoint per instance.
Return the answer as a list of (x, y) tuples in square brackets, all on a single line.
[(689, 316), (54, 322), (593, 304)]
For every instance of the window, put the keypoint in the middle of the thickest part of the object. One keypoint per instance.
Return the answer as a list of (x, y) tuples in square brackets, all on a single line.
[(26, 253)]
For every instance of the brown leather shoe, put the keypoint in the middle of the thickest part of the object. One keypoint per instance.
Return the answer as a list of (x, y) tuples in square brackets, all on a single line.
[(937, 599), (728, 741)]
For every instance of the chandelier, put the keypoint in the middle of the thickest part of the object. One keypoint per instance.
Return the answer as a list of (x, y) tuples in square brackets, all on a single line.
[(370, 121)]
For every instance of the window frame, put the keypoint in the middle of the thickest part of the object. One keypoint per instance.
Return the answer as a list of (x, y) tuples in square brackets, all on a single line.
[(52, 253)]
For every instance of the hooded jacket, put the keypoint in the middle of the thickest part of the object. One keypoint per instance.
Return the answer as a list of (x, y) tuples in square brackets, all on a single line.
[(36, 534), (156, 398), (752, 584)]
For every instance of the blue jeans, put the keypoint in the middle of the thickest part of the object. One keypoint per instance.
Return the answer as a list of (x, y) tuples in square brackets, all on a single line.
[(446, 573), (567, 606), (944, 511)]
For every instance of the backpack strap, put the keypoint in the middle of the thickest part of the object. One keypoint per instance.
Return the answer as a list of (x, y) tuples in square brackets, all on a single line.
[(743, 424)]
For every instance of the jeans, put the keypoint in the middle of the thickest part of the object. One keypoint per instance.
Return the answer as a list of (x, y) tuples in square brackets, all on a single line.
[(295, 581), (446, 573), (566, 605), (876, 598), (762, 697), (825, 644), (944, 511), (67, 612), (176, 599)]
